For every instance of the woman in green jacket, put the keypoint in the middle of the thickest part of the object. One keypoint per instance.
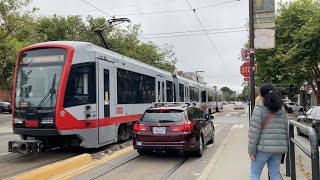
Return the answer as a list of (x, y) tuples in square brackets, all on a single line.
[(268, 134)]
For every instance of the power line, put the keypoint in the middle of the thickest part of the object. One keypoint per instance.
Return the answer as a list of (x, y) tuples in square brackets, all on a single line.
[(179, 32), (157, 12), (173, 11), (110, 16), (194, 10), (203, 7), (185, 35)]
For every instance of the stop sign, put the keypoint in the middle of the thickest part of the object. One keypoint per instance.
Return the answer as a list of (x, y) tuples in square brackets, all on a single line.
[(245, 69)]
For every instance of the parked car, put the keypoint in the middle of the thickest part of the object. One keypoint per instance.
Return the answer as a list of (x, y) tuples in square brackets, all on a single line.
[(310, 118), (238, 105), (179, 128), (5, 107), (293, 107)]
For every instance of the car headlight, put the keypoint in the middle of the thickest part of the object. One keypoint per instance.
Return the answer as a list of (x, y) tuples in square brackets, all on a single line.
[(17, 121)]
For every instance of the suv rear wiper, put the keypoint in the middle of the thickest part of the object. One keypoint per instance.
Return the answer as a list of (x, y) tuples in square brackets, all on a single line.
[(164, 121)]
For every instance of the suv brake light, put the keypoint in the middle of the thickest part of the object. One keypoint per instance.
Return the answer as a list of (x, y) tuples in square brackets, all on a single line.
[(138, 127), (185, 127)]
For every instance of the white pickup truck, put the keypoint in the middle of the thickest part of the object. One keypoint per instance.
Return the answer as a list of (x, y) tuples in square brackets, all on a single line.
[(292, 107)]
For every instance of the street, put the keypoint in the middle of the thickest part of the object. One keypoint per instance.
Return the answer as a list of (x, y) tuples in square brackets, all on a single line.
[(231, 128), (6, 132), (172, 166)]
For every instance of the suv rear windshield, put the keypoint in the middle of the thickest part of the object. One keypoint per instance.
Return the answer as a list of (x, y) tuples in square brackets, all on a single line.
[(163, 115)]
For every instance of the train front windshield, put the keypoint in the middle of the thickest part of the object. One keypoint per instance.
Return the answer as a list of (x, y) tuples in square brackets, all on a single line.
[(38, 77)]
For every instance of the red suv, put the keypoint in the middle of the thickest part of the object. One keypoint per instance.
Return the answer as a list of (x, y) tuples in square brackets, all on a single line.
[(166, 127)]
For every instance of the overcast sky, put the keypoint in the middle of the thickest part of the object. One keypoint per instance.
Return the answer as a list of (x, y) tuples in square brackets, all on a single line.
[(220, 60)]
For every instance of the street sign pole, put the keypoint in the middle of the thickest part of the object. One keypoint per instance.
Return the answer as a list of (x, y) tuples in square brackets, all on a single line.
[(252, 81)]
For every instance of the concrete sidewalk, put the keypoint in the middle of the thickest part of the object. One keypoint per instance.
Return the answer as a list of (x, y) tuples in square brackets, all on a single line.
[(232, 161)]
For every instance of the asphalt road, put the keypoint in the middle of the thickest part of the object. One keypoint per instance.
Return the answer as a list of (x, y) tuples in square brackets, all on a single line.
[(157, 166), (154, 166), (6, 132)]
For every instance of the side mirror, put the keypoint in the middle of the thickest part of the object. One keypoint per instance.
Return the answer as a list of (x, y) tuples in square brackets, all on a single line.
[(210, 117)]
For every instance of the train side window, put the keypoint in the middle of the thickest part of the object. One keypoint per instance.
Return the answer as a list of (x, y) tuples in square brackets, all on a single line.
[(210, 96), (124, 81), (181, 93), (169, 91), (204, 96), (81, 85), (139, 88), (163, 92), (194, 94), (151, 89)]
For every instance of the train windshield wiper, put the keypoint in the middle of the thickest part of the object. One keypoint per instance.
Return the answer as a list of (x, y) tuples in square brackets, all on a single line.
[(51, 92)]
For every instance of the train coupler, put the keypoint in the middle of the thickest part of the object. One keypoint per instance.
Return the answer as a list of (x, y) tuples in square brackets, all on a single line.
[(25, 146)]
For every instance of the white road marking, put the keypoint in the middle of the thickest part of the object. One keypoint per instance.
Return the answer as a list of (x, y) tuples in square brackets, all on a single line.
[(235, 126), (216, 132), (243, 115), (228, 115), (4, 154), (241, 126)]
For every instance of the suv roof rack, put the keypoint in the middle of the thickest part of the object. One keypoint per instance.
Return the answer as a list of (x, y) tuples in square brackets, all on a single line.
[(173, 104)]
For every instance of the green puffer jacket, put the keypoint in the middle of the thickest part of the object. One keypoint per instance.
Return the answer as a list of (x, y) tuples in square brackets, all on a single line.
[(271, 139)]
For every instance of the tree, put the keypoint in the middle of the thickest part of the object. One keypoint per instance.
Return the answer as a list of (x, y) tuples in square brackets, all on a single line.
[(120, 40), (226, 91), (17, 30), (296, 57)]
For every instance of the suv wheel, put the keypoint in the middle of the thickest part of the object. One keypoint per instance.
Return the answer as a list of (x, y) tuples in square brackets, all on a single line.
[(199, 150)]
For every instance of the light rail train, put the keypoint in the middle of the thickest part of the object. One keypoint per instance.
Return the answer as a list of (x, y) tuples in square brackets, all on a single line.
[(79, 94)]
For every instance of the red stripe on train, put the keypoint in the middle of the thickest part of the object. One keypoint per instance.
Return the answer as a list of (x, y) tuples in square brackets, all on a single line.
[(71, 123)]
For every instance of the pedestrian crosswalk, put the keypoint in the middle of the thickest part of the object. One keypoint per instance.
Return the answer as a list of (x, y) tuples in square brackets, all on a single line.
[(235, 126)]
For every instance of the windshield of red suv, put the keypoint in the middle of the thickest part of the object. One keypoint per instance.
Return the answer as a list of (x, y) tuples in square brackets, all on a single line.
[(163, 115)]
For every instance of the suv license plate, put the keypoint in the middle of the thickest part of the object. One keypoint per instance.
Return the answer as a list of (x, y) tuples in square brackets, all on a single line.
[(159, 130)]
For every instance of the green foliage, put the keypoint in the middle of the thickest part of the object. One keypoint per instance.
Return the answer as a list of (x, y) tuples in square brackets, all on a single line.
[(226, 91), (296, 57), (122, 41), (19, 28)]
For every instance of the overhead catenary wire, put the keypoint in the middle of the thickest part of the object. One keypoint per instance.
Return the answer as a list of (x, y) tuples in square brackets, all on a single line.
[(203, 7), (192, 31), (174, 11), (194, 11), (111, 17), (198, 34)]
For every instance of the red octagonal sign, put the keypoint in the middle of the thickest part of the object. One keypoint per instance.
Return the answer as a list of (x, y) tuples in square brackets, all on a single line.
[(245, 69)]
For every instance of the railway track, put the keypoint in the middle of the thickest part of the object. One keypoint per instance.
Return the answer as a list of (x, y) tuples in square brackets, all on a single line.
[(19, 156), (165, 176)]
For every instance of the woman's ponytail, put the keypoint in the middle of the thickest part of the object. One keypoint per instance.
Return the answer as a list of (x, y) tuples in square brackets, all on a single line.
[(272, 99)]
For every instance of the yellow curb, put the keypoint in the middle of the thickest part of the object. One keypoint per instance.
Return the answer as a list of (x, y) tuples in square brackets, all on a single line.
[(50, 170), (82, 169)]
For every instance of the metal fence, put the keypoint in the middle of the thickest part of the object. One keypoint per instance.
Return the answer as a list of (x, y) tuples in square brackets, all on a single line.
[(313, 153)]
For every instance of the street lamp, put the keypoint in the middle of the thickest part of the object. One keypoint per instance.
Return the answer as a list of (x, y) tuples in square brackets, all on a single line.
[(215, 88)]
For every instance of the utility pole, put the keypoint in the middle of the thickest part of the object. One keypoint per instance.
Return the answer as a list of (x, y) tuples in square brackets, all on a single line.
[(252, 80)]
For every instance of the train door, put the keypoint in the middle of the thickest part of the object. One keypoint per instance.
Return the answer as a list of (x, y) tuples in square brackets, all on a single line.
[(105, 100), (161, 84)]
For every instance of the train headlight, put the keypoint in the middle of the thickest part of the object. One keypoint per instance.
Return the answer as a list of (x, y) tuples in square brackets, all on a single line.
[(47, 120), (17, 121)]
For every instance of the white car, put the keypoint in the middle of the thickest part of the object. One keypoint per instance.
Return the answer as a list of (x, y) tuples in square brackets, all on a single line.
[(238, 105), (293, 107)]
